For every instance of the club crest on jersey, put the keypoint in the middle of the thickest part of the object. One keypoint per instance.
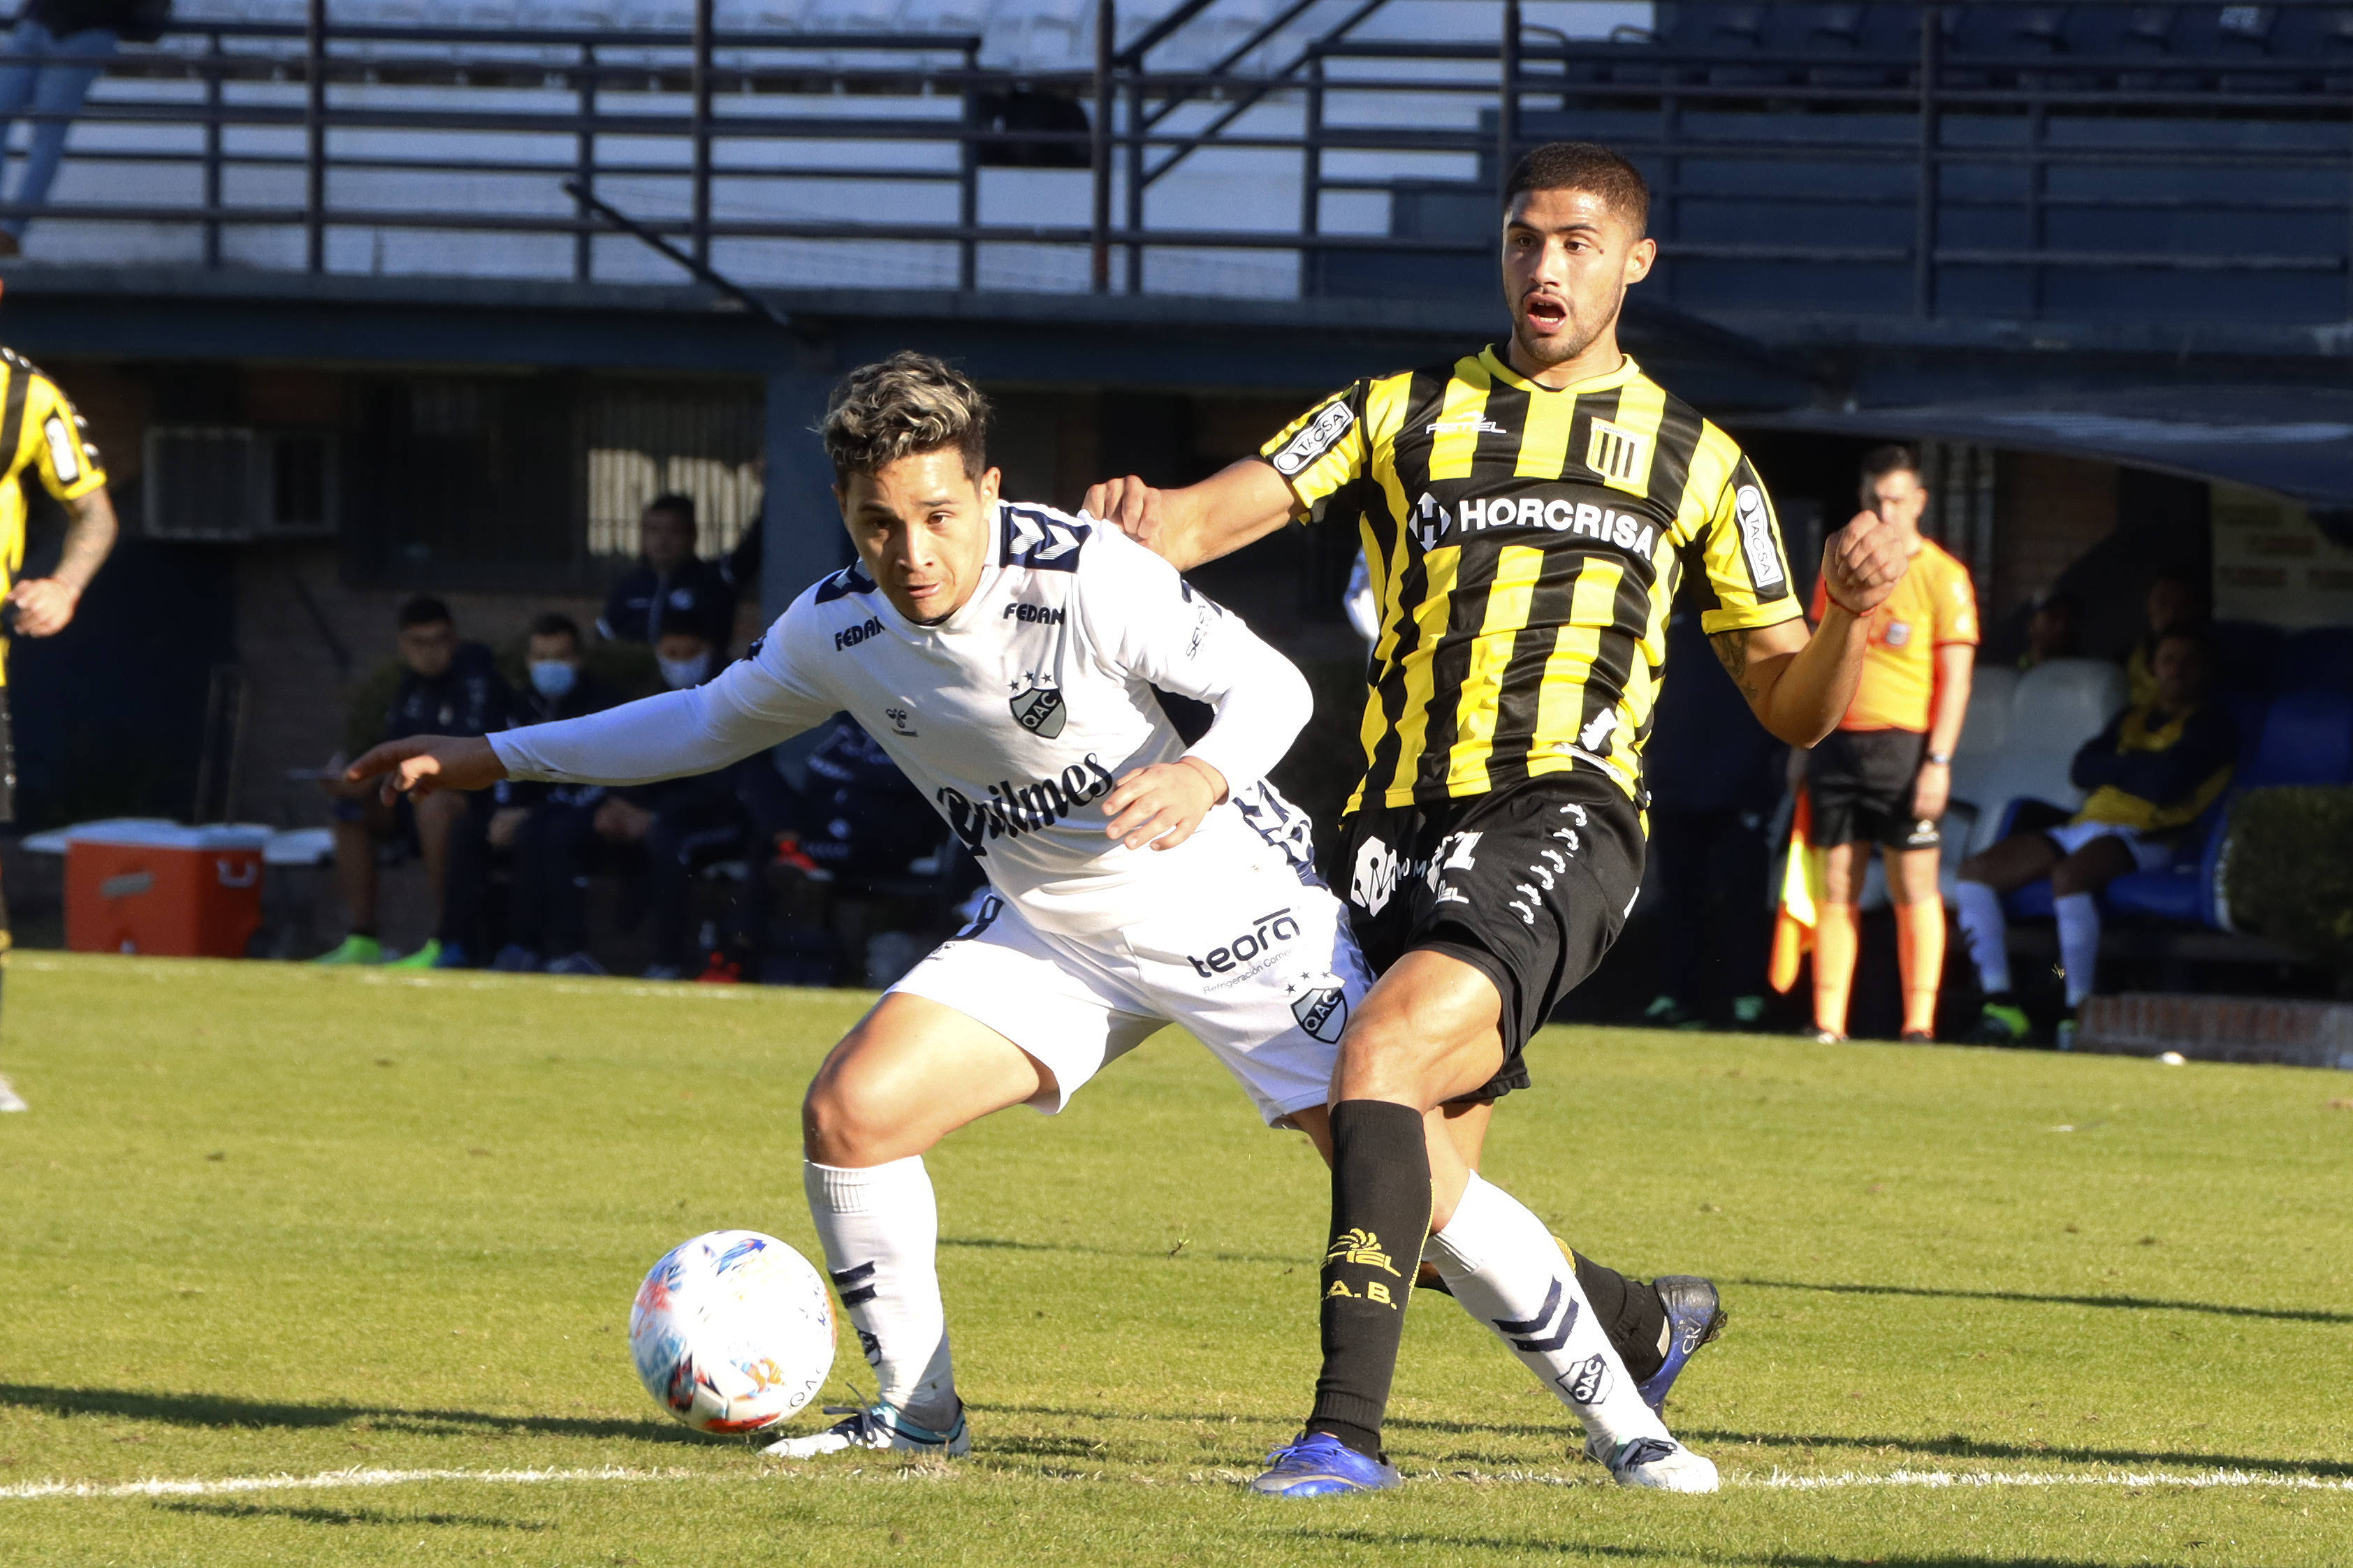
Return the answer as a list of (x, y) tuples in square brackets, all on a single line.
[(1430, 521), (1617, 453), (1322, 1014), (1040, 540), (1042, 711), (1322, 433)]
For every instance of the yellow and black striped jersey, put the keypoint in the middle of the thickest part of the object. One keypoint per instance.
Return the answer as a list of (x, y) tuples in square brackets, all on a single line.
[(40, 429), (1524, 545)]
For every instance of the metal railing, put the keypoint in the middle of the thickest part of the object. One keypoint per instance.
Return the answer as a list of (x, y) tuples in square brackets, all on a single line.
[(1339, 116)]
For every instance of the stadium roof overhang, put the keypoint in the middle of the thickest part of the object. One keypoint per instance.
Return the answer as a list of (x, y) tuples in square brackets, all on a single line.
[(2296, 441)]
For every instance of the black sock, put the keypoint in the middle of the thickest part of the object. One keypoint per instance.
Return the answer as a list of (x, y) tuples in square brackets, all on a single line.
[(1380, 1214), (1629, 1313)]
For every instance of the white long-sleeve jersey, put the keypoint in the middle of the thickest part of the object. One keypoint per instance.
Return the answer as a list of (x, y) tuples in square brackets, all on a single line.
[(1015, 714)]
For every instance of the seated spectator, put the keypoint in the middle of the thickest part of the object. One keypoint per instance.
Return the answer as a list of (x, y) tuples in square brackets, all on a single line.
[(2150, 772), (671, 587), (2177, 601), (445, 687), (558, 687), (53, 53), (2052, 631), (678, 826)]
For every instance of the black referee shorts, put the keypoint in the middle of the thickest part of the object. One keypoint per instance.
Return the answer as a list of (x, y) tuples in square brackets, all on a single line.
[(1528, 884), (1861, 781)]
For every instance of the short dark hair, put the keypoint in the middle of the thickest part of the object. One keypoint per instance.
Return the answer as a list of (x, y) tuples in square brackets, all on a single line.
[(1584, 166), (425, 610), (2196, 636), (674, 502), (556, 624), (1893, 458), (900, 407), (2181, 574)]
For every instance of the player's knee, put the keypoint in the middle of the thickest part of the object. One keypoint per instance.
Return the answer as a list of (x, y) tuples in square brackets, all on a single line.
[(842, 1126)]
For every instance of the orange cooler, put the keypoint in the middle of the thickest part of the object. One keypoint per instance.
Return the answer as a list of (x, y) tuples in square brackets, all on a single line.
[(160, 888)]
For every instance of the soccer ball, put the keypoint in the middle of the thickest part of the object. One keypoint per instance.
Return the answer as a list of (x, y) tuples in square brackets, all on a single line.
[(732, 1331)]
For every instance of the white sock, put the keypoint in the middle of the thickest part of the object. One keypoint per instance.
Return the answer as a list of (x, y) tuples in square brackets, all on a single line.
[(880, 1227), (1987, 933), (1503, 1266), (2079, 943)]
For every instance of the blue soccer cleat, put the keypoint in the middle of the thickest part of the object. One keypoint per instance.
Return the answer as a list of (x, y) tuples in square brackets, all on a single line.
[(1695, 1318), (1319, 1465)]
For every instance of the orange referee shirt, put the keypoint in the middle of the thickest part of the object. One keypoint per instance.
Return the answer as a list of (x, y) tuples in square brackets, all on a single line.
[(1932, 607)]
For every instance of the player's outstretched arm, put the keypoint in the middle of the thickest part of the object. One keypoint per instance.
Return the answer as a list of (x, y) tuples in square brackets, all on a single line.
[(427, 765), (1799, 686), (1185, 527)]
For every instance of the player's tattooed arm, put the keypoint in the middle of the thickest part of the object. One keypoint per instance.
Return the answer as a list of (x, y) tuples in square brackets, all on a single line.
[(1732, 648), (45, 606)]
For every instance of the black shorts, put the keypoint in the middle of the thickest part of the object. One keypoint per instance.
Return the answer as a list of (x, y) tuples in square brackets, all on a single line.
[(1861, 781), (1527, 884), (7, 761)]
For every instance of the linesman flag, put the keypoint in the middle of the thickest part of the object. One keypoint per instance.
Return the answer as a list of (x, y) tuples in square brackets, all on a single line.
[(1801, 888)]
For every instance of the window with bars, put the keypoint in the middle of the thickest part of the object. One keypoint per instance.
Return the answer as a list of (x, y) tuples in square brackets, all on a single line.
[(536, 482)]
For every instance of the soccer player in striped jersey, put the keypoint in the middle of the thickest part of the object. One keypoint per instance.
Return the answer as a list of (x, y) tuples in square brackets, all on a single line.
[(40, 433), (1528, 511)]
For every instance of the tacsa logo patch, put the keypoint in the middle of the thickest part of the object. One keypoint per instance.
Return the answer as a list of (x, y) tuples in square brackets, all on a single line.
[(1315, 440), (1376, 877), (1757, 537)]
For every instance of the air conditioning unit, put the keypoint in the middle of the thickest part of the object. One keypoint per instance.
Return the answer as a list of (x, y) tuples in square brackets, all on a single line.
[(233, 486)]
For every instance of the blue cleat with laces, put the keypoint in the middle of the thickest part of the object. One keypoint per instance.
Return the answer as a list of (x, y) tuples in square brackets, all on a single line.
[(1695, 1318), (1318, 1465)]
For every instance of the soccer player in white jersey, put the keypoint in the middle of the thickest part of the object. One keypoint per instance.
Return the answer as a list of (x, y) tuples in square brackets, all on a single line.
[(1007, 657)]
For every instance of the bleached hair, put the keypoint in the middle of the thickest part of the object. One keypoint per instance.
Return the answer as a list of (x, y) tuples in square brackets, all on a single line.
[(908, 404)]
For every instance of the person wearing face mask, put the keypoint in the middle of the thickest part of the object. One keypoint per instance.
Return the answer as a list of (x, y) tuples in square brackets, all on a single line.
[(555, 687), (671, 587)]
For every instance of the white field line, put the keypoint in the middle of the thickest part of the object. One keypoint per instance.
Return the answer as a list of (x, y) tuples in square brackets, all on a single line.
[(1773, 1482)]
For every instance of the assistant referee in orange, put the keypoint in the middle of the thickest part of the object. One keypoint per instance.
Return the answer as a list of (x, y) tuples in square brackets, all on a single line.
[(1884, 776)]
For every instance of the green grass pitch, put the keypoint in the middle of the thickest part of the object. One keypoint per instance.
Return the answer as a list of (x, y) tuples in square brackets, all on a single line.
[(268, 1223)]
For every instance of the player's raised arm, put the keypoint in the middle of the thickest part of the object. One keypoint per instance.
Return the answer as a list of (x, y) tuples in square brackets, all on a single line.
[(1236, 505), (1146, 621), (1799, 686)]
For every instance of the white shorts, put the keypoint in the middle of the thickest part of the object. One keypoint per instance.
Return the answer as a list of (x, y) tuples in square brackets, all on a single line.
[(2148, 855), (1263, 970)]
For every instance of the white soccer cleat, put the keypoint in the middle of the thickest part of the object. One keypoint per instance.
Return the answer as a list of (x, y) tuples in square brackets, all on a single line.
[(1660, 1463), (884, 1430)]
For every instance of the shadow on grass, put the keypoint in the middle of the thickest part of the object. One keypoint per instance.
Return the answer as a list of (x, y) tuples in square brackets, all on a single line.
[(1951, 1446), (1001, 1243), (226, 1410), (2133, 1303), (347, 1516), (1392, 1539), (1956, 1446)]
